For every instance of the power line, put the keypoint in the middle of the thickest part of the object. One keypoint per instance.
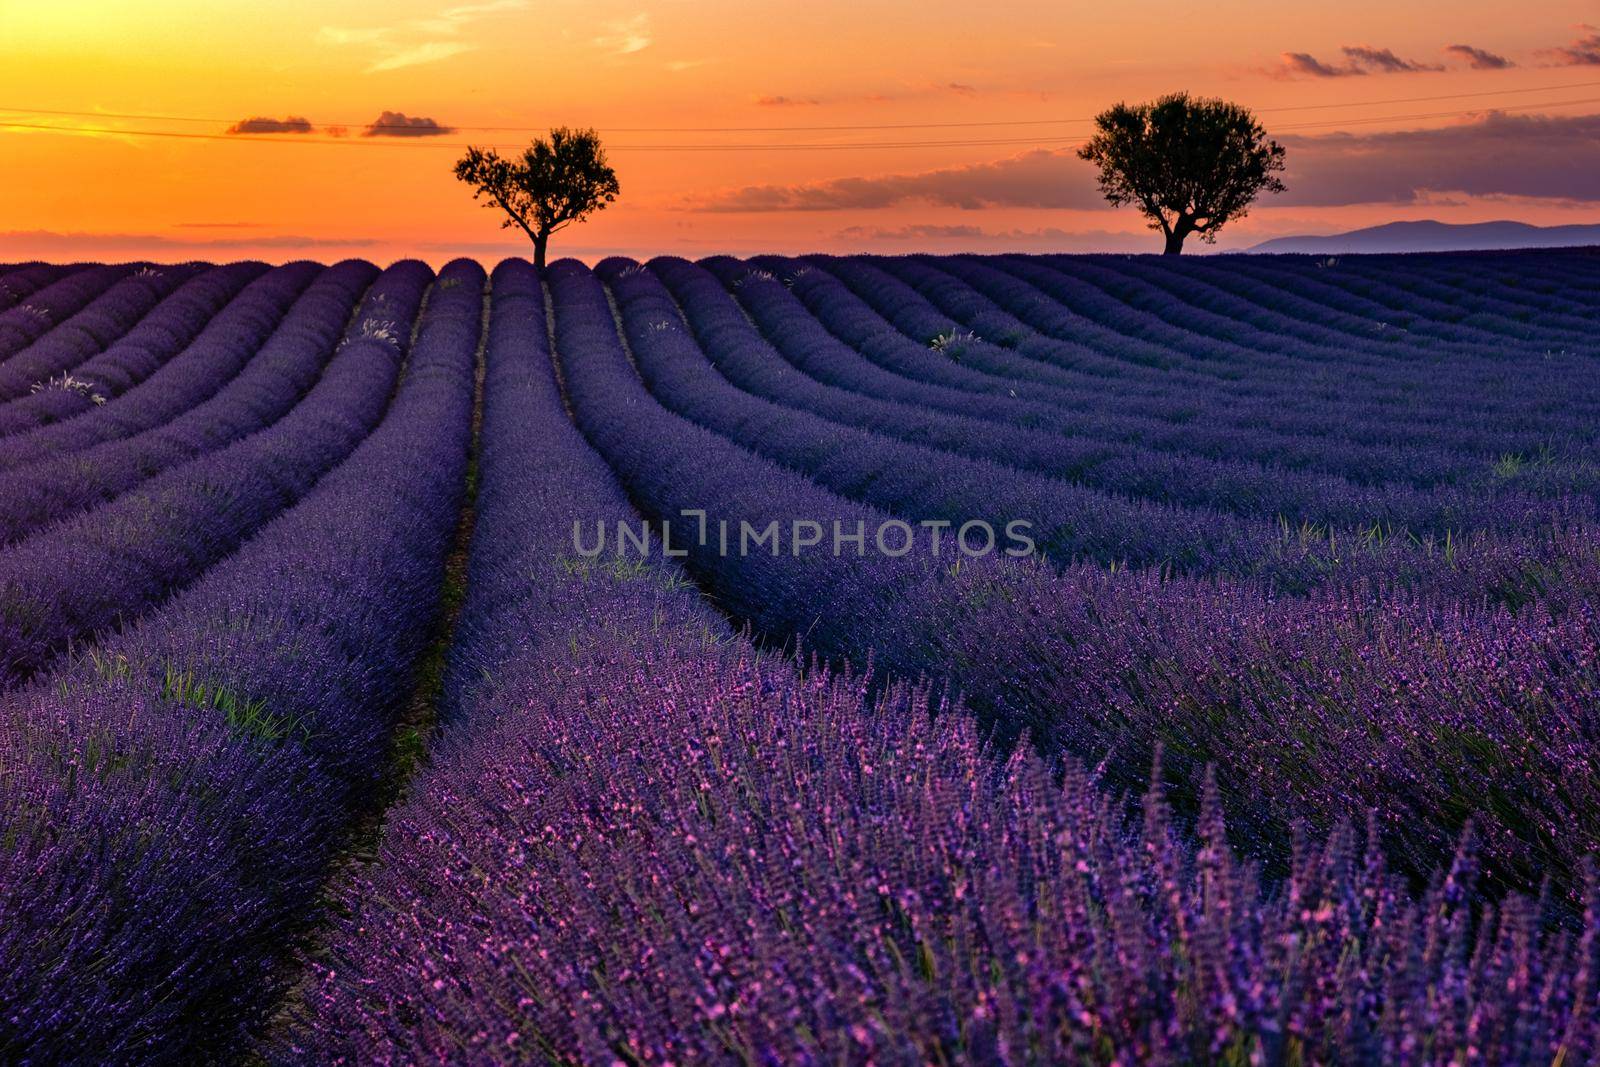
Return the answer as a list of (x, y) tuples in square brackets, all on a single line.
[(378, 142), (1371, 119), (1430, 99), (144, 116), (1038, 142)]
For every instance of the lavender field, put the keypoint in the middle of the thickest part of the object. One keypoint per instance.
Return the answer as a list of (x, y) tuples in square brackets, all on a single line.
[(1014, 659)]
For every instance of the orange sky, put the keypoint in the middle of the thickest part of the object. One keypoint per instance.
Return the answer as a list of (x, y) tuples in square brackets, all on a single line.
[(198, 67)]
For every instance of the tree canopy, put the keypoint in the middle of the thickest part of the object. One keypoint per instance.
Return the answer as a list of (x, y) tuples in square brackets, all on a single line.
[(553, 184), (1189, 164)]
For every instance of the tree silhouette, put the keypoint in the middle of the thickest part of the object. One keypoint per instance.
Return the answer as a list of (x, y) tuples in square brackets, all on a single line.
[(1190, 165), (554, 184)]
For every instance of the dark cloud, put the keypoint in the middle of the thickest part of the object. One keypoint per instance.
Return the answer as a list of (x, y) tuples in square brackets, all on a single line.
[(1359, 60), (1478, 58), (786, 101), (1293, 63), (1382, 60), (1497, 155), (1042, 178), (261, 124), (1584, 52), (397, 124), (977, 239), (962, 88), (919, 232)]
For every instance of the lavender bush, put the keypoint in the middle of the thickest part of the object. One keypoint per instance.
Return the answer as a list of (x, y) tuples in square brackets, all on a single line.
[(1282, 755), (185, 361), (173, 799), (134, 354), (110, 316), (47, 307), (640, 842), (1427, 691), (277, 376), (152, 541)]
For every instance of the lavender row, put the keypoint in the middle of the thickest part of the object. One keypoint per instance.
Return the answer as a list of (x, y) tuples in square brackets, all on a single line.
[(1350, 412), (1320, 287), (1126, 279), (632, 846), (150, 542), (24, 323), (1488, 310), (1354, 455), (987, 349), (1282, 695), (128, 355), (1339, 286), (48, 360), (1517, 283), (538, 621), (658, 856), (1172, 476), (171, 361), (526, 586), (1095, 290), (890, 364), (21, 279), (1510, 499), (1398, 363), (1400, 377), (1445, 330), (1561, 283), (1240, 278), (1477, 407), (246, 720), (1232, 429), (276, 377), (910, 480)]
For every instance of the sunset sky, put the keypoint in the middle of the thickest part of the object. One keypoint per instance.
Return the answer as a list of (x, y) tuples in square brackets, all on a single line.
[(746, 127)]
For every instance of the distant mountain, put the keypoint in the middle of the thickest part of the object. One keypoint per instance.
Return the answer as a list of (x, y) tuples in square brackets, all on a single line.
[(1430, 236)]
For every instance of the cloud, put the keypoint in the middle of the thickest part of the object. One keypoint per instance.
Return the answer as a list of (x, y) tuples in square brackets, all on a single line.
[(259, 124), (452, 19), (977, 239), (52, 242), (426, 52), (1478, 58), (1043, 178), (962, 89), (1292, 63), (1583, 52), (626, 36), (398, 124), (787, 101), (417, 41), (1383, 61), (1359, 60), (1495, 155), (918, 232)]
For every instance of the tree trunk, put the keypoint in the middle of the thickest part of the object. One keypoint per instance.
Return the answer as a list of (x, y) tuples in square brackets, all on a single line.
[(1174, 243), (541, 241)]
